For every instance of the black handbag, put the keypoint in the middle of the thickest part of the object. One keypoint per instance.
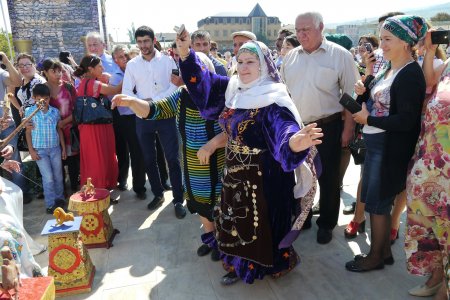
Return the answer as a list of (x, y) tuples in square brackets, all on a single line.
[(22, 140), (358, 146), (90, 110)]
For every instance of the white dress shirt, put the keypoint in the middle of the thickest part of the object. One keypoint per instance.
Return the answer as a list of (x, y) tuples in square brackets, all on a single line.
[(151, 78), (317, 80)]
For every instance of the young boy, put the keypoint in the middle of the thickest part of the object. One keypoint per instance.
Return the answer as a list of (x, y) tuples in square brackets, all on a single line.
[(46, 146)]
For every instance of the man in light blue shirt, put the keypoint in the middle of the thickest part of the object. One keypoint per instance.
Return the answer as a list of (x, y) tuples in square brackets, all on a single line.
[(96, 45)]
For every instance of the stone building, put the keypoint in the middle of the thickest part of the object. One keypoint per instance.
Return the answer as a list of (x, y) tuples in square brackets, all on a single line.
[(43, 28), (222, 25)]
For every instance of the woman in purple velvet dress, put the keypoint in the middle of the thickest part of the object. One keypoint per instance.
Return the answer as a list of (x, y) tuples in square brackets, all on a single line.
[(266, 142)]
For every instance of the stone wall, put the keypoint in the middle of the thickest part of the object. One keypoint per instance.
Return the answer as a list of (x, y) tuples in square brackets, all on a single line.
[(53, 26)]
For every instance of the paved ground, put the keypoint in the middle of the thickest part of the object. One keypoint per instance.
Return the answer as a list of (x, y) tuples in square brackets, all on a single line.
[(154, 257)]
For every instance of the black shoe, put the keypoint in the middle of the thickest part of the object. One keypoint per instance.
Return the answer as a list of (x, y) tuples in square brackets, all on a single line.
[(113, 201), (166, 186), (215, 255), (229, 278), (27, 198), (387, 261), (324, 236), (60, 203), (156, 202), (40, 195), (180, 211), (203, 250), (50, 210), (355, 266), (141, 196), (315, 209), (349, 209), (122, 186)]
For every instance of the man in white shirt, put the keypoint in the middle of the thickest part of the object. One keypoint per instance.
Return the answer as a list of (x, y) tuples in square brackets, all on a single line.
[(316, 74), (127, 144), (150, 75)]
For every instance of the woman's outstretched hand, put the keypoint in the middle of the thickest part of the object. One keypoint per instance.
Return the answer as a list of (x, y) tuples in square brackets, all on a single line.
[(183, 43), (306, 137), (121, 100)]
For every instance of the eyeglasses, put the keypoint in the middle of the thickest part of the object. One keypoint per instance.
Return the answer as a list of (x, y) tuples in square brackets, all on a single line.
[(213, 49), (28, 65)]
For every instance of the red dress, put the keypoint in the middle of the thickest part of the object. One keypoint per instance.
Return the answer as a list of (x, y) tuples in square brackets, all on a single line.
[(97, 146)]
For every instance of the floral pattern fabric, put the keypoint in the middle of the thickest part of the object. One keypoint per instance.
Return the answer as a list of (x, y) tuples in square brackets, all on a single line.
[(428, 187), (427, 241)]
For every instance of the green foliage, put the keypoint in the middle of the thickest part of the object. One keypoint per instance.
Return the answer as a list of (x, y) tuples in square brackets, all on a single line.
[(442, 16), (4, 43), (131, 33)]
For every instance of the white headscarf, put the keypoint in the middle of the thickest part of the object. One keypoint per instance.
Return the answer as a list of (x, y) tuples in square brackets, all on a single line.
[(262, 92)]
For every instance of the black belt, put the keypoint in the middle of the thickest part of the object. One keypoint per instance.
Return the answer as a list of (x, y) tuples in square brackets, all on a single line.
[(331, 118)]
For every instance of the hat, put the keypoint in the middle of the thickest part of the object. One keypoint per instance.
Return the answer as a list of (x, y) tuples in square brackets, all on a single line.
[(410, 29), (248, 47), (247, 34), (340, 39)]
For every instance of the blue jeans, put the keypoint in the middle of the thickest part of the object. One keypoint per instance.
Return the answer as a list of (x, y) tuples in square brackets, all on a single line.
[(168, 135), (50, 166)]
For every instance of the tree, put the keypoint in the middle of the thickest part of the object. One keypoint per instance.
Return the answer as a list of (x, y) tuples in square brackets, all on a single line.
[(4, 43), (131, 33), (439, 17)]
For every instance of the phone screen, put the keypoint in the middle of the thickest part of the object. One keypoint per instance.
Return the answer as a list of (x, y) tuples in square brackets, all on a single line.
[(439, 37)]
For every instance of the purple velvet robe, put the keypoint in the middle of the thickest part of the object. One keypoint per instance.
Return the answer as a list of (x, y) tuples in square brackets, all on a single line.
[(270, 130)]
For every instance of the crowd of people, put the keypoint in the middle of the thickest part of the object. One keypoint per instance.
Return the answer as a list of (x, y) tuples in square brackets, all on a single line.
[(244, 137)]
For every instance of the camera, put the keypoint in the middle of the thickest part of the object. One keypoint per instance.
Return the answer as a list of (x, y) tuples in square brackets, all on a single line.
[(176, 72)]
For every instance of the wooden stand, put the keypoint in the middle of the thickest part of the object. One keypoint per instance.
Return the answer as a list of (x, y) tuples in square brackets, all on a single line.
[(69, 261), (96, 229)]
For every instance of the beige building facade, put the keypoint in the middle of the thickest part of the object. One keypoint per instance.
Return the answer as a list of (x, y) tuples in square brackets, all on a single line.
[(222, 26)]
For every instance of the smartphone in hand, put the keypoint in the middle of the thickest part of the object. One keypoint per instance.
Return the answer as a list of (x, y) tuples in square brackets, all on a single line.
[(349, 103), (179, 29), (176, 72), (440, 37), (368, 47)]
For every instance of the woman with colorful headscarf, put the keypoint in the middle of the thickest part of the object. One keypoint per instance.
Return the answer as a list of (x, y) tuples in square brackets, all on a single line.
[(427, 238), (391, 117), (266, 142)]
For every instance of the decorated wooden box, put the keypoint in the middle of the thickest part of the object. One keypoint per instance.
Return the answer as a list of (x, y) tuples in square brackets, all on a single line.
[(97, 230), (69, 261), (37, 288)]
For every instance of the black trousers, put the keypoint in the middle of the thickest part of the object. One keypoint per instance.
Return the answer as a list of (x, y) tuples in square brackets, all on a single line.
[(73, 166), (330, 157), (127, 147)]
